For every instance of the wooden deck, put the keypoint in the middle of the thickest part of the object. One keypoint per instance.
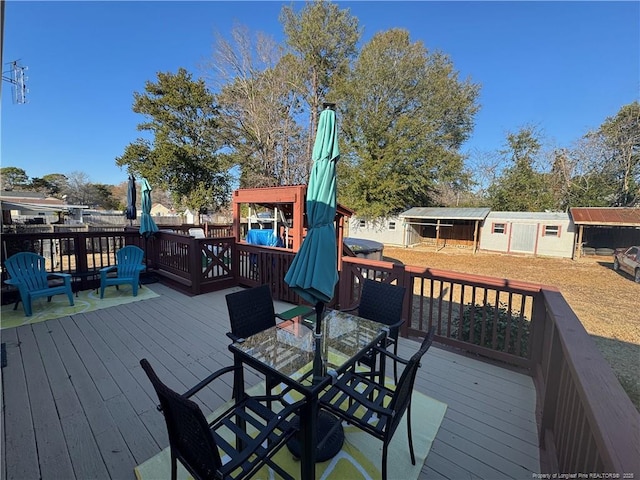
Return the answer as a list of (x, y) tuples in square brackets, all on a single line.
[(77, 405)]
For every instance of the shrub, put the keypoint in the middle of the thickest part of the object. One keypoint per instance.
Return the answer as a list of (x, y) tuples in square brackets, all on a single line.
[(490, 314)]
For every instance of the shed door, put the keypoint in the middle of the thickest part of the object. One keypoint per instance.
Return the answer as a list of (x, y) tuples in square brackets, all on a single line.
[(523, 237)]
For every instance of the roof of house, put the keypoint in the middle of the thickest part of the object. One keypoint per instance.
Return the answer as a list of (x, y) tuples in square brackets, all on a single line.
[(447, 213), (22, 194), (33, 201), (32, 207), (611, 216)]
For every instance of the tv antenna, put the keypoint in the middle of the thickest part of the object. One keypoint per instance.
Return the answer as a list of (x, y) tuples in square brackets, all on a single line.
[(16, 77)]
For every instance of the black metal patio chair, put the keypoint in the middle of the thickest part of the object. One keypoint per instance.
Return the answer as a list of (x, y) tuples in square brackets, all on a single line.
[(251, 311), (259, 432), (376, 409), (382, 302)]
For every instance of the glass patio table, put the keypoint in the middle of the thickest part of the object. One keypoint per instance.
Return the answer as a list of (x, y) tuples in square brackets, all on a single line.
[(286, 354)]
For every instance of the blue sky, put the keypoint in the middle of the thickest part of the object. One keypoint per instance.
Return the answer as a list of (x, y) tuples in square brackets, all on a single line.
[(562, 66)]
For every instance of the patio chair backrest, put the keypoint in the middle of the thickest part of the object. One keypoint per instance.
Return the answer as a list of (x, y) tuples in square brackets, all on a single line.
[(29, 269), (382, 302), (251, 311), (189, 434), (404, 388), (129, 259)]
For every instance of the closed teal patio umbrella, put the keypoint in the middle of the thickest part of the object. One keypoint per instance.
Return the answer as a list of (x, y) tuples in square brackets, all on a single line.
[(314, 271), (147, 225)]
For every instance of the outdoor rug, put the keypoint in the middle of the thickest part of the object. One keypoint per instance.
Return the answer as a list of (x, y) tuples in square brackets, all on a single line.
[(86, 301), (360, 457)]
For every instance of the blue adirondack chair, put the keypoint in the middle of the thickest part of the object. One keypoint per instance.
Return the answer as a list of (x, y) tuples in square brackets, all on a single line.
[(29, 275), (128, 267)]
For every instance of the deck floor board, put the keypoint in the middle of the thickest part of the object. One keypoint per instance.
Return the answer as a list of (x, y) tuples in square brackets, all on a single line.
[(21, 459), (76, 384), (52, 451)]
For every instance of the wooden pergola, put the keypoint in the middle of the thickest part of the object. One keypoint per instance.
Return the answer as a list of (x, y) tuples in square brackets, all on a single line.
[(291, 200)]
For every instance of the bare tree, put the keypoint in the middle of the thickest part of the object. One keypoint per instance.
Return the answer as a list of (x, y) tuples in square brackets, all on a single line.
[(486, 167), (620, 139), (603, 167), (79, 188), (323, 39), (258, 100)]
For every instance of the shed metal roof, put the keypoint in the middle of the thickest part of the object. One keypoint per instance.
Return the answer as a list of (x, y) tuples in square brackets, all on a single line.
[(529, 216), (612, 216), (446, 213)]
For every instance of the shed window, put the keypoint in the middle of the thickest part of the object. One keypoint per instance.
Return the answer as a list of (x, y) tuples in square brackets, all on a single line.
[(498, 228), (392, 225), (551, 230), (363, 224)]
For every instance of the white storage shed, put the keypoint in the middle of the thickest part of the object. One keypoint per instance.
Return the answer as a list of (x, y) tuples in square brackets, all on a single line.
[(549, 234), (389, 230)]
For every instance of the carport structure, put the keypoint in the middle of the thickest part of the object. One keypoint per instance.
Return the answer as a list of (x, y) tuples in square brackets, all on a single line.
[(444, 226), (610, 227)]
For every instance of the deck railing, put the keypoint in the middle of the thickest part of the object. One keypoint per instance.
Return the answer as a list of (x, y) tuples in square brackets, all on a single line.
[(265, 265), (488, 316), (197, 265), (587, 424), (71, 251)]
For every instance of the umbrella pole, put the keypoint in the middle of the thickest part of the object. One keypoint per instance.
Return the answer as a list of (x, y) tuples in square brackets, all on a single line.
[(319, 312), (318, 363), (146, 254), (147, 277)]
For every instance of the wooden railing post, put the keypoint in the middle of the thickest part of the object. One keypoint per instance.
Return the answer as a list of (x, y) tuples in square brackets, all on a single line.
[(538, 326), (195, 265), (404, 280), (343, 284), (80, 252), (235, 262)]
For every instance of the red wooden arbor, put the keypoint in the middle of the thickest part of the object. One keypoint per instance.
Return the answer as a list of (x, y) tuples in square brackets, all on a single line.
[(290, 200)]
